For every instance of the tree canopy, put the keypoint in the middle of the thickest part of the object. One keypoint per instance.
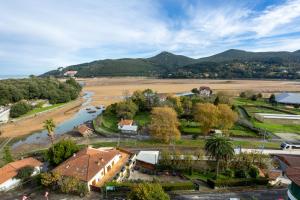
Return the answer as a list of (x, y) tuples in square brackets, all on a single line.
[(14, 90), (164, 124), (219, 148), (61, 151), (148, 191)]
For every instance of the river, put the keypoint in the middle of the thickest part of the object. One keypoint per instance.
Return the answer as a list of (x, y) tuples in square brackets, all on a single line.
[(80, 117)]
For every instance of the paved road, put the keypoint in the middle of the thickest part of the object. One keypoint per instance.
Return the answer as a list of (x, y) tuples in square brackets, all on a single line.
[(275, 194)]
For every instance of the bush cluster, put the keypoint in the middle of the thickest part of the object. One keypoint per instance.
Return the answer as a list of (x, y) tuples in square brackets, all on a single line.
[(237, 182)]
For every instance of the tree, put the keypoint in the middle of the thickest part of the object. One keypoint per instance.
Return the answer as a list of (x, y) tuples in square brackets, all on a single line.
[(253, 172), (217, 101), (49, 125), (25, 172), (19, 109), (187, 105), (61, 151), (219, 148), (195, 91), (207, 115), (175, 103), (148, 191), (50, 178), (164, 124), (227, 117), (272, 99), (126, 109), (7, 157)]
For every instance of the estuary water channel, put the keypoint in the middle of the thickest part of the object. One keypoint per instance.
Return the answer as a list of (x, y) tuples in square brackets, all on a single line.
[(80, 117)]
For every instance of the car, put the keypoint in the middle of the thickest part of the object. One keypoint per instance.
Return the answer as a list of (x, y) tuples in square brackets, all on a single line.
[(290, 145)]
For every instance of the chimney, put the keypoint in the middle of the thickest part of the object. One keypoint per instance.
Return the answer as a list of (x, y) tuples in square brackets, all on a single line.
[(74, 154)]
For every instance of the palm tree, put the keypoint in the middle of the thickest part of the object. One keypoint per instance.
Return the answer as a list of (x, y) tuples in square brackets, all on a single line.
[(49, 125), (219, 148)]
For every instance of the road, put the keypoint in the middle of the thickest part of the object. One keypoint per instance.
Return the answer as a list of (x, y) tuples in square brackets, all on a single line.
[(271, 194)]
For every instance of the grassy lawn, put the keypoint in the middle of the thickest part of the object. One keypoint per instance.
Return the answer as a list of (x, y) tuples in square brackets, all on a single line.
[(244, 101), (142, 118), (240, 131), (257, 109), (200, 176), (279, 128), (187, 143), (38, 110), (109, 122)]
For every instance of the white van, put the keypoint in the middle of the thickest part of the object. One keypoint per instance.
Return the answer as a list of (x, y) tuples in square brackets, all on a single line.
[(290, 145)]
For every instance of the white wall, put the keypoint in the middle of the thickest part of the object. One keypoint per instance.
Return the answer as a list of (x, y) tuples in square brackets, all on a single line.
[(11, 183), (4, 116)]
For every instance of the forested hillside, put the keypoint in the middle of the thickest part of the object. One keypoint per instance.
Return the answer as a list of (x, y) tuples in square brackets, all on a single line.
[(14, 90), (230, 64)]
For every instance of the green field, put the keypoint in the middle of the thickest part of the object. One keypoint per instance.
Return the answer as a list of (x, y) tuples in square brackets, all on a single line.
[(277, 128), (240, 131), (38, 110)]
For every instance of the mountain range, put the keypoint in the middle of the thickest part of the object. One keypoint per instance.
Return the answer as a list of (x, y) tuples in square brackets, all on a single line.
[(231, 64)]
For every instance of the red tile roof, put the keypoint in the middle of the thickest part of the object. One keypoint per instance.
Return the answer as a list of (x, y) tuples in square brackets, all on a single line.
[(86, 163), (11, 169), (294, 175), (124, 122), (83, 129)]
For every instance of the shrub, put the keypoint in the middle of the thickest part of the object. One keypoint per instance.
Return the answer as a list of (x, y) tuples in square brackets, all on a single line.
[(229, 173), (148, 191), (253, 172), (19, 109), (237, 182), (240, 173), (25, 172)]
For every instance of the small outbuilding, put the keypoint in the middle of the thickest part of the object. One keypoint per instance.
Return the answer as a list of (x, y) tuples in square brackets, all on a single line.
[(288, 98), (127, 126), (84, 130), (147, 159), (9, 172)]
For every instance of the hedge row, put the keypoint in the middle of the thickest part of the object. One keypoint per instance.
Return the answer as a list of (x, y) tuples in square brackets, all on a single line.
[(186, 185), (237, 182)]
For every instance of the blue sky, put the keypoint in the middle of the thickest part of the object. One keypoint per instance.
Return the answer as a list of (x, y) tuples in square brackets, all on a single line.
[(37, 36)]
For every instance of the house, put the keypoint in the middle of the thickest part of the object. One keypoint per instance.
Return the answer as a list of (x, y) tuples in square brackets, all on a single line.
[(288, 98), (94, 166), (127, 126), (70, 73), (205, 91), (84, 130), (9, 172), (147, 160), (294, 188), (4, 114), (287, 161)]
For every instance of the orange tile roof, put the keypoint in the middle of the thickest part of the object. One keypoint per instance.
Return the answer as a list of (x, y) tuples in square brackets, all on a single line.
[(82, 129), (11, 169), (124, 122), (86, 163)]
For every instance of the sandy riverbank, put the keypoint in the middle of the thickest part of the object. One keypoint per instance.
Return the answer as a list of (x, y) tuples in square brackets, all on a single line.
[(110, 90), (35, 123)]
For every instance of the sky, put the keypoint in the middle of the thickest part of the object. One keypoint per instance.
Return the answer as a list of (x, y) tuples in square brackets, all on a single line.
[(37, 36)]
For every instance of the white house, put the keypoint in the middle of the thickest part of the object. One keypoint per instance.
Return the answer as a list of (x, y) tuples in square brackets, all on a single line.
[(205, 91), (93, 166), (70, 73), (127, 126), (4, 114), (10, 171)]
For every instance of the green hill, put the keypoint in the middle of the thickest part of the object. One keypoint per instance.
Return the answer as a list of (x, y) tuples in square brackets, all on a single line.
[(229, 64)]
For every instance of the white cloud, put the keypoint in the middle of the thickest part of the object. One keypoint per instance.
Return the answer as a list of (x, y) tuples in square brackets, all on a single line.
[(47, 34)]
